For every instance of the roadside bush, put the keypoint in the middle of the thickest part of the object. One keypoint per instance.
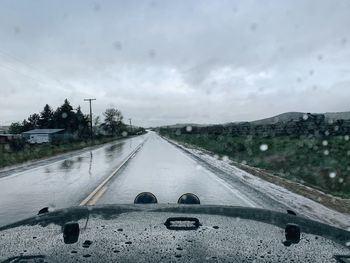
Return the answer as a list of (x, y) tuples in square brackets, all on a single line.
[(17, 144)]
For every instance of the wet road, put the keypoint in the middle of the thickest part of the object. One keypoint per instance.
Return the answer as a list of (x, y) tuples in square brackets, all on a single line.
[(158, 167), (62, 183), (166, 171)]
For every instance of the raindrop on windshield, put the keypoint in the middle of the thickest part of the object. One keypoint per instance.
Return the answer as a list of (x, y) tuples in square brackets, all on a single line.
[(264, 147), (97, 7), (189, 128), (344, 41), (346, 137), (332, 174), (17, 29), (325, 152), (64, 115), (253, 27), (117, 45), (198, 167), (325, 143), (305, 117), (225, 158), (151, 53), (124, 133), (216, 156)]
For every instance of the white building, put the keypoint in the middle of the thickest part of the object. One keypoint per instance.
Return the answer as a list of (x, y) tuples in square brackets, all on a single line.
[(41, 135)]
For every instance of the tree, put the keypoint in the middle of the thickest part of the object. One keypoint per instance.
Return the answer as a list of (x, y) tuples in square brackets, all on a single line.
[(64, 117), (113, 122), (16, 128), (46, 117), (33, 121), (82, 123)]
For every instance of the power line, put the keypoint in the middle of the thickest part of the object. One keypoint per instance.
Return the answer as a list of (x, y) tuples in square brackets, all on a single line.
[(33, 68)]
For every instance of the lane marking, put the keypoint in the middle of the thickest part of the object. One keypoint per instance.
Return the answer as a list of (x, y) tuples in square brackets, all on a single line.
[(93, 197)]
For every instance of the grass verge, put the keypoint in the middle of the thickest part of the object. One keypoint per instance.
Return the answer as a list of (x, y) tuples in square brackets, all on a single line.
[(320, 163)]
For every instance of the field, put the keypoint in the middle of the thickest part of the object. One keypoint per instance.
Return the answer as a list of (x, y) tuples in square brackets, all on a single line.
[(322, 163)]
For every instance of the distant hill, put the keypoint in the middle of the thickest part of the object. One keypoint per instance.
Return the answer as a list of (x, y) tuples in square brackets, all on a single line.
[(182, 125), (337, 115), (281, 118), (284, 117), (288, 116)]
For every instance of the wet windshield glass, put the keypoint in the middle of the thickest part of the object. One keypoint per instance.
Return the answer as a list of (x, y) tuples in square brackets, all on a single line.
[(242, 103)]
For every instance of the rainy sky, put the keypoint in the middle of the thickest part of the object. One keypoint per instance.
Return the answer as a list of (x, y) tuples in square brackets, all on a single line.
[(167, 62)]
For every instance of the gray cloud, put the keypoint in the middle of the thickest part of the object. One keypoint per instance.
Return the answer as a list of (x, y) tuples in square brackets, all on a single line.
[(164, 62)]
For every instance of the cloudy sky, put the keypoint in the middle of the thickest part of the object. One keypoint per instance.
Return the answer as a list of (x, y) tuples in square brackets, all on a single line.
[(166, 62)]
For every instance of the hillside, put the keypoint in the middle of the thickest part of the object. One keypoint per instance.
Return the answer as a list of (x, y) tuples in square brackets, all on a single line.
[(288, 116)]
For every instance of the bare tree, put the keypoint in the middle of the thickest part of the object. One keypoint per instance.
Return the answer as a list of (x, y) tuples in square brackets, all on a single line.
[(113, 122)]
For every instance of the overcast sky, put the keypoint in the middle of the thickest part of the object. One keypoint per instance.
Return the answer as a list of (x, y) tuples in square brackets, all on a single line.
[(167, 62)]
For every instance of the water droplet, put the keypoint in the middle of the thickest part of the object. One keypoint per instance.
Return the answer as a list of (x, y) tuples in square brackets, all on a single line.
[(117, 45), (253, 27), (347, 244), (216, 156), (152, 53), (225, 158), (341, 180), (64, 115), (189, 128), (346, 137), (244, 162), (348, 152), (264, 147), (198, 167), (305, 117), (124, 134), (325, 143), (178, 132), (332, 174), (325, 152), (326, 133)]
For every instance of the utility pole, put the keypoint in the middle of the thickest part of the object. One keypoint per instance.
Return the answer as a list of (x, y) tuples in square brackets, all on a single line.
[(89, 100), (130, 124)]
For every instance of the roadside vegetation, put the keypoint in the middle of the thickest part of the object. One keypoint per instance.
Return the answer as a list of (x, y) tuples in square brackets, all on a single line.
[(77, 131), (322, 162)]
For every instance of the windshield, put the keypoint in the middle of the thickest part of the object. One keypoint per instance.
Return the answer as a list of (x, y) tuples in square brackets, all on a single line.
[(242, 103)]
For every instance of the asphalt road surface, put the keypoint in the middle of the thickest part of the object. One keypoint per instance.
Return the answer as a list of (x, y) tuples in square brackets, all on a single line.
[(167, 172), (61, 183), (158, 167)]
